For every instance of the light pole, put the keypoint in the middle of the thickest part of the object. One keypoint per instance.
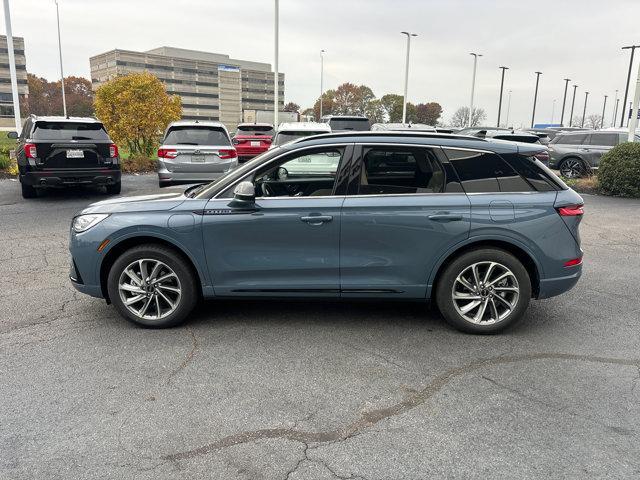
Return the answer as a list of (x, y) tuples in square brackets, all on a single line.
[(584, 111), (406, 75), (321, 79), (564, 99), (473, 84), (553, 110), (508, 107), (12, 68), (604, 107), (615, 109), (626, 88), (64, 101), (535, 98), (500, 100), (633, 122), (276, 77), (573, 102)]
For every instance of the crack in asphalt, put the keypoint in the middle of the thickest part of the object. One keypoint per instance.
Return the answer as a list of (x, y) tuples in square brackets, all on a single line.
[(195, 346), (371, 418)]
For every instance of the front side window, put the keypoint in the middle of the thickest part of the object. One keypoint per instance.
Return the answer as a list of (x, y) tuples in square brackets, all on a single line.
[(302, 174), (69, 131), (188, 135), (483, 172), (391, 170), (571, 139)]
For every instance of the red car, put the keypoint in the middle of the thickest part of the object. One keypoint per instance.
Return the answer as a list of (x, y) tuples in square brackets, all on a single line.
[(252, 139)]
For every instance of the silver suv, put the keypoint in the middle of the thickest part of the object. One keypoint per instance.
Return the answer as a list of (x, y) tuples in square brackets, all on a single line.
[(576, 154), (195, 152)]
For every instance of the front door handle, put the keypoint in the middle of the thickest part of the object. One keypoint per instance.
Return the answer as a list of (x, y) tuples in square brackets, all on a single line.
[(316, 219), (445, 217)]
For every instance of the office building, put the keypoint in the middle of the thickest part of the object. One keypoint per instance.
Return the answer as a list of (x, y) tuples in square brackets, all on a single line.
[(6, 98)]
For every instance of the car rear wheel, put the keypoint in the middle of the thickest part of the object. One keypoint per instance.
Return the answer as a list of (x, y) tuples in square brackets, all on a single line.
[(152, 286), (114, 189), (28, 191), (572, 168), (483, 291)]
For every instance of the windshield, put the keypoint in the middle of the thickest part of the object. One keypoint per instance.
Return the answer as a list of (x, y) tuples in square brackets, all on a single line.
[(189, 135), (69, 131), (357, 124), (237, 173), (255, 130), (290, 136)]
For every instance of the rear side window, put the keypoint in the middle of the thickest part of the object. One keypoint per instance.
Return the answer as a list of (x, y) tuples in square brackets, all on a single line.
[(255, 130), (69, 131), (481, 172), (530, 169), (389, 170), (188, 135), (570, 139), (604, 139)]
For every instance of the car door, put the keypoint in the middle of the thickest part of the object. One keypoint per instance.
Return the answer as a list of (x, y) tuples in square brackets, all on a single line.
[(288, 245), (404, 210), (599, 144)]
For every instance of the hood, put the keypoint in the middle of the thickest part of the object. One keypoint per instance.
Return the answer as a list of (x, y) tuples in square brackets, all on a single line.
[(140, 203)]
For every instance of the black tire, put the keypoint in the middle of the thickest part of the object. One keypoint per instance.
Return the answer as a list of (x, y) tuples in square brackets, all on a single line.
[(28, 191), (164, 184), (114, 189), (444, 290), (575, 165), (186, 276)]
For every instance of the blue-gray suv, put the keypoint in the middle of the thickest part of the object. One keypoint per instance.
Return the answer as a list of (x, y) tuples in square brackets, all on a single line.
[(480, 226)]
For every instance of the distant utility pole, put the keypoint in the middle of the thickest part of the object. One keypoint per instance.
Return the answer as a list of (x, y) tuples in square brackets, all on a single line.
[(473, 84), (626, 88), (406, 75), (276, 76), (501, 88), (584, 112), (321, 79), (12, 68), (633, 122), (535, 98), (573, 102), (508, 107), (564, 99), (615, 109), (64, 100), (604, 108)]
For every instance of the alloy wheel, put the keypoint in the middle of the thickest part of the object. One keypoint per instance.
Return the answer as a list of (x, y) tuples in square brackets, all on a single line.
[(485, 293), (149, 289), (572, 168)]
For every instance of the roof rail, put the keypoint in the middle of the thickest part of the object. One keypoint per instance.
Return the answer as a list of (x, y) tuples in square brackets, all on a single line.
[(382, 133)]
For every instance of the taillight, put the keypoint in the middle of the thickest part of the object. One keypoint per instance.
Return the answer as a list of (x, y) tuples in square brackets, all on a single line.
[(543, 156), (573, 262), (571, 211), (113, 150), (227, 154), (30, 150), (167, 153)]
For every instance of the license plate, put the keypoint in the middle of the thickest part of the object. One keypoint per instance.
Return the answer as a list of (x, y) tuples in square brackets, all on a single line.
[(197, 158), (75, 154), (256, 144)]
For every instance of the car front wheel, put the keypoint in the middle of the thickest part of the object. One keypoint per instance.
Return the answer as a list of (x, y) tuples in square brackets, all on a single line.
[(483, 291), (152, 286)]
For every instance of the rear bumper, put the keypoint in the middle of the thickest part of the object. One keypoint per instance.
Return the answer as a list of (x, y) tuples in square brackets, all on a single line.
[(62, 178), (550, 287)]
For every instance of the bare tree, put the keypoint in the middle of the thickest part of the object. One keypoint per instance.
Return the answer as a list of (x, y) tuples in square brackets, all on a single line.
[(461, 117), (593, 121)]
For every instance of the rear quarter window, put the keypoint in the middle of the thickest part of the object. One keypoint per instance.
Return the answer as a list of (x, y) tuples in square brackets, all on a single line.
[(69, 131), (533, 171)]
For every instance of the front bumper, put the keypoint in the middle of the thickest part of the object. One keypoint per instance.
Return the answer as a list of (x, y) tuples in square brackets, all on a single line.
[(62, 178)]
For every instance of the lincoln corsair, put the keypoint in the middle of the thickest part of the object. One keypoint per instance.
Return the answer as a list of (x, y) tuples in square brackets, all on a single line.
[(478, 226)]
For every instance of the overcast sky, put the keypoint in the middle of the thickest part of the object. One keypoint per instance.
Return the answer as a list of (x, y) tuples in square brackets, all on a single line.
[(578, 39)]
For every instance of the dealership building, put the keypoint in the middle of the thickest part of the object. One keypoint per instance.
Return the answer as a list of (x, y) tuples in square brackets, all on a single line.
[(212, 86), (6, 98)]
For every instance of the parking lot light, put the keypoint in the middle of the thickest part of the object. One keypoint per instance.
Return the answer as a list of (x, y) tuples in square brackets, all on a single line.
[(564, 99), (321, 79), (626, 88), (500, 99), (473, 85), (12, 67), (535, 98), (584, 111), (406, 76), (64, 101), (573, 102)]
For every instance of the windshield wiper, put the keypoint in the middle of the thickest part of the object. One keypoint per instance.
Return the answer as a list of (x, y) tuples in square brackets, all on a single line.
[(191, 192)]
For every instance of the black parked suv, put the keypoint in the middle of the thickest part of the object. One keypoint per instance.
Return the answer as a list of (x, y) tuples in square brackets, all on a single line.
[(63, 151)]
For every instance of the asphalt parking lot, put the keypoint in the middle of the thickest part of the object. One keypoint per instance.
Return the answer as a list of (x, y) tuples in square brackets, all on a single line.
[(307, 390)]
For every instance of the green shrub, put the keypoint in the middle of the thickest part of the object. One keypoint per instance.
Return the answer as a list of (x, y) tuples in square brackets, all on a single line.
[(619, 172), (4, 156)]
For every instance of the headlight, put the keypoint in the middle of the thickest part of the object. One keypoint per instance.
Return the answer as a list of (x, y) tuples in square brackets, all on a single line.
[(82, 223)]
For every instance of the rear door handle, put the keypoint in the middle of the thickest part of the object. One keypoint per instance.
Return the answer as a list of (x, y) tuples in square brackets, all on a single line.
[(445, 217), (316, 219)]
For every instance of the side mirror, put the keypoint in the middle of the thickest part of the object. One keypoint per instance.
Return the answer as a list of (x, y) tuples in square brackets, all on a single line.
[(244, 196), (13, 135)]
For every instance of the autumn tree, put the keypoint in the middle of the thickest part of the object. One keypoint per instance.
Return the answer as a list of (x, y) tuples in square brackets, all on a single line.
[(291, 107), (328, 104), (461, 117), (428, 113), (135, 108), (45, 98)]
